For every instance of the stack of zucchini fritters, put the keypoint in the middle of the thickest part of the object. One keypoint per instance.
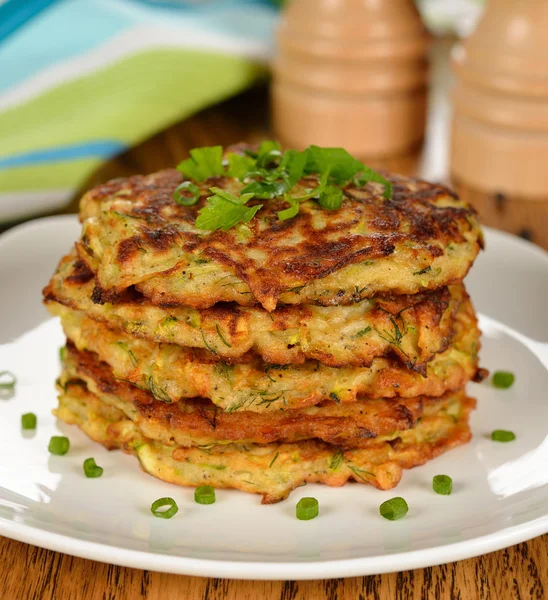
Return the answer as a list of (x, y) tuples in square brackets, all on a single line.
[(320, 346)]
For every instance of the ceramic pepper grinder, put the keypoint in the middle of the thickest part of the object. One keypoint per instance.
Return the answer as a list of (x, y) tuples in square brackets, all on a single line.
[(499, 155), (351, 73)]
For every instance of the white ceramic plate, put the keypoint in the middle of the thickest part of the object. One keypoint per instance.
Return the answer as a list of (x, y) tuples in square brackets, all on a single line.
[(500, 490)]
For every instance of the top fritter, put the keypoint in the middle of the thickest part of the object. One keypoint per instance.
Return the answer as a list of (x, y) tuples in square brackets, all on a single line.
[(312, 227)]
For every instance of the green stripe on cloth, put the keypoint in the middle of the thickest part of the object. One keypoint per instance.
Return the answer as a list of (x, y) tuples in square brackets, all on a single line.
[(127, 101), (68, 174)]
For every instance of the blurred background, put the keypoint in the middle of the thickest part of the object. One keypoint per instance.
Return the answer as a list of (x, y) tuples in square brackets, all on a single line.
[(96, 89)]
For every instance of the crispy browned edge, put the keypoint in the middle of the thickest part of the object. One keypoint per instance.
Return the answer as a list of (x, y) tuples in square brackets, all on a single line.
[(319, 255), (202, 418), (387, 473), (427, 308)]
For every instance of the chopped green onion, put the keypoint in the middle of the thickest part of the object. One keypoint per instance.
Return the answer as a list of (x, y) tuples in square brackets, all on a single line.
[(331, 198), (503, 379), (7, 380), (181, 198), (204, 494), (59, 444), (62, 351), (394, 509), (289, 213), (161, 503), (500, 435), (307, 508), (91, 469), (442, 484), (28, 421)]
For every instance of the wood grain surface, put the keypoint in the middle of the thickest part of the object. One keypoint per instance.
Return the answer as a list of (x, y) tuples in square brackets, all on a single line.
[(519, 572), (27, 572)]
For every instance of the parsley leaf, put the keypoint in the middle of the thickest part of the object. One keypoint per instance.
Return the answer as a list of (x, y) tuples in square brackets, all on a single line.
[(342, 166), (239, 165), (266, 190), (271, 174), (275, 182), (203, 163), (294, 163), (225, 210), (267, 150), (317, 191)]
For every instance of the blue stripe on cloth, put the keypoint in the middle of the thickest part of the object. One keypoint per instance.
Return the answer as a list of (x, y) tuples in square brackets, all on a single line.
[(71, 28), (95, 149), (14, 14), (65, 30)]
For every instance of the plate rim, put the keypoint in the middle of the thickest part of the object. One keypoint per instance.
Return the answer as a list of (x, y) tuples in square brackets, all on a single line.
[(276, 571), (260, 570)]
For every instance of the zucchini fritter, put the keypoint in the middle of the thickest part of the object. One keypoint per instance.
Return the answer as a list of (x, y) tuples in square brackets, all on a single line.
[(272, 470), (198, 422), (422, 239), (171, 372), (412, 328)]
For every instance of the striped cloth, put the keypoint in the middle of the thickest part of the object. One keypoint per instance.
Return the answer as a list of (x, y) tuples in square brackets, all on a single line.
[(85, 79)]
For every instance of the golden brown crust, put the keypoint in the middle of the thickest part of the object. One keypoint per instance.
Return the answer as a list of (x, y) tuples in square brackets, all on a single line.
[(171, 372), (198, 422), (411, 328), (135, 234), (272, 470)]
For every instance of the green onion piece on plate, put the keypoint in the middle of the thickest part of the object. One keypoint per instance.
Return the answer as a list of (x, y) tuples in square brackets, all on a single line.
[(28, 421), (500, 435), (503, 379), (186, 194), (7, 381), (59, 444), (204, 494), (442, 484), (92, 469), (394, 509), (159, 505), (307, 508)]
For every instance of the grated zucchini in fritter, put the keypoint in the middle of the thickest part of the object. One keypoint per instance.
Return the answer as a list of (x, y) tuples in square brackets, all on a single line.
[(412, 328), (272, 470), (133, 233), (172, 372)]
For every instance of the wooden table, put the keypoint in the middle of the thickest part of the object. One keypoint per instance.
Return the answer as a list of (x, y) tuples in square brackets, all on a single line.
[(30, 573)]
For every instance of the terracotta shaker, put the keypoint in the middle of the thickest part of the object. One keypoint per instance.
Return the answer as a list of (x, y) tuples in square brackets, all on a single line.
[(499, 150), (352, 73)]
